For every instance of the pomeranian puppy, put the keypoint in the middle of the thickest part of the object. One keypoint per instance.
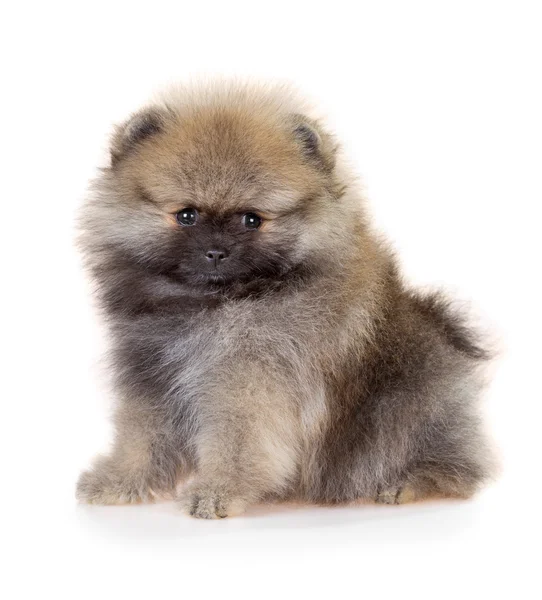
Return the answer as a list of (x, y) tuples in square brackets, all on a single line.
[(263, 344)]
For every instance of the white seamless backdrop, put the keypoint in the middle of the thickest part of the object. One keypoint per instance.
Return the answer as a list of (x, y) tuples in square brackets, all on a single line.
[(438, 105)]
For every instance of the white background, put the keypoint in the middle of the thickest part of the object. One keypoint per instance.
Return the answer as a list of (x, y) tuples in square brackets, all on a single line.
[(439, 107)]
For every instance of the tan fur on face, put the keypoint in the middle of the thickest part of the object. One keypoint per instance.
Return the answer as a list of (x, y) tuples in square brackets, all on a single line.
[(234, 156)]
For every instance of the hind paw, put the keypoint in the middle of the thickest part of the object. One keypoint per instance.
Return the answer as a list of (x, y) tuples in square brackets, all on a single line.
[(396, 495)]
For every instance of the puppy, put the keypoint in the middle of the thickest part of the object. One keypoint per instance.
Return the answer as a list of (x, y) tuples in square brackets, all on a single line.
[(263, 344)]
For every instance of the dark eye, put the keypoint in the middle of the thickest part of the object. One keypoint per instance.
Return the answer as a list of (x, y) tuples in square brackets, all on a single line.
[(187, 216), (252, 221)]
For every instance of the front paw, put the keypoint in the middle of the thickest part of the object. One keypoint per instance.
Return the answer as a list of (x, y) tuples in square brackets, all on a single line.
[(98, 486), (211, 501)]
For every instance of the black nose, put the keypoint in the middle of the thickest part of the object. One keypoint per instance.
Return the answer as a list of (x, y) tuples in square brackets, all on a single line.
[(216, 256)]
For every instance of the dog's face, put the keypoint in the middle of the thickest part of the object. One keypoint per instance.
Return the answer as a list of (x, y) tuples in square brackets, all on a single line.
[(217, 196)]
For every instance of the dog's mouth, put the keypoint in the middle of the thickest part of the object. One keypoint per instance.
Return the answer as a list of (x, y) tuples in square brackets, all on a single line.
[(216, 278)]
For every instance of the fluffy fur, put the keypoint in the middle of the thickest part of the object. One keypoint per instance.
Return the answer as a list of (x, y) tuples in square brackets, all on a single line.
[(300, 367)]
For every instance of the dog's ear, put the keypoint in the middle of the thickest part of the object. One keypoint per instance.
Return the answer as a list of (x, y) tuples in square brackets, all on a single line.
[(139, 127), (316, 144)]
